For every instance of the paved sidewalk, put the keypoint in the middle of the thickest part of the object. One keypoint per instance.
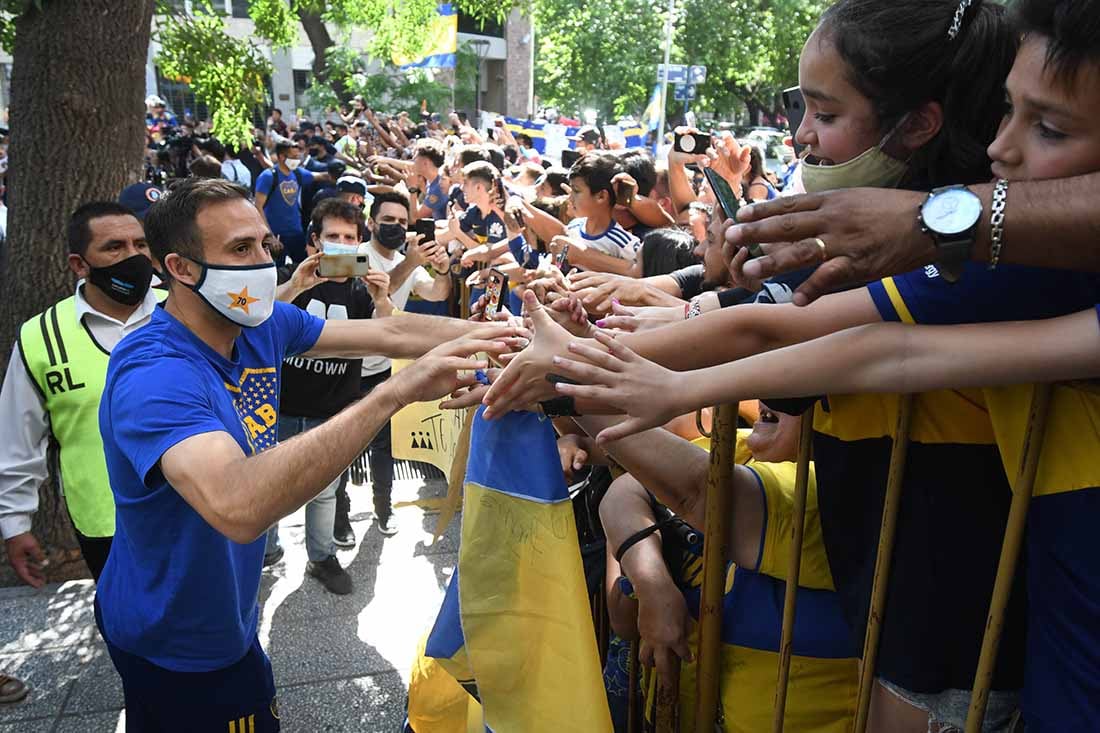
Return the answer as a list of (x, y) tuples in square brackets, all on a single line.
[(341, 662)]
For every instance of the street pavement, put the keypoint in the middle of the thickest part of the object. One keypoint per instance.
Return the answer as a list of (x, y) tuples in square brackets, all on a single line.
[(341, 662)]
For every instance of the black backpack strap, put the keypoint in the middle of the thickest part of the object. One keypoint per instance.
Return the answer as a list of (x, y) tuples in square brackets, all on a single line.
[(274, 185)]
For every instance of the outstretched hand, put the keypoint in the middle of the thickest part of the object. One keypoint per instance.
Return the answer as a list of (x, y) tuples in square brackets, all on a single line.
[(450, 366), (618, 378)]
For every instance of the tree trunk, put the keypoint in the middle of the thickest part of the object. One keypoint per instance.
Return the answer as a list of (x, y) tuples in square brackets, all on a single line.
[(321, 41), (77, 135)]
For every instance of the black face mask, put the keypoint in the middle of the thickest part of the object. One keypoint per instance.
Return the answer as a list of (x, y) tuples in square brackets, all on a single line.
[(390, 236), (126, 281)]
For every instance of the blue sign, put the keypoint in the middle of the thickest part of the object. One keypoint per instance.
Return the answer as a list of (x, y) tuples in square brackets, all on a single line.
[(683, 93), (697, 75), (677, 73)]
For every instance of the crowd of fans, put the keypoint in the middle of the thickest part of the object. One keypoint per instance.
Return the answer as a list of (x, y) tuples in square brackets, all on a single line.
[(641, 305)]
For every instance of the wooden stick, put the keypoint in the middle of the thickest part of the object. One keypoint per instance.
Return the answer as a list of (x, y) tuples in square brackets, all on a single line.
[(801, 486), (667, 716), (1010, 552), (719, 518), (886, 535)]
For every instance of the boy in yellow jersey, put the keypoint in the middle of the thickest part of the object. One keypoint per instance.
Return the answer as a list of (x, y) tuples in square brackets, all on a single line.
[(664, 571)]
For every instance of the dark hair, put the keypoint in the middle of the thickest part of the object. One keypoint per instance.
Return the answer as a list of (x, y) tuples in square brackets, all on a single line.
[(276, 109), (80, 230), (472, 154), (205, 166), (1071, 29), (667, 250), (511, 154), (596, 169), (387, 197), (281, 148), (496, 156), (525, 140), (432, 152), (556, 178), (531, 170), (639, 164), (481, 170), (899, 56), (213, 146), (170, 223), (756, 165), (335, 208)]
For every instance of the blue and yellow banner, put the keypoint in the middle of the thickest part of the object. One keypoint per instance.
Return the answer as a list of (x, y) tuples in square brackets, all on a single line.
[(442, 44), (550, 139), (515, 628)]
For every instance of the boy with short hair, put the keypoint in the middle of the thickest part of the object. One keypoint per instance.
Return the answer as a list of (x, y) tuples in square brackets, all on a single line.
[(594, 240)]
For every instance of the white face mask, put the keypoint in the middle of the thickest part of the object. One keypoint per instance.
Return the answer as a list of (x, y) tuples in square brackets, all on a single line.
[(338, 248), (293, 163), (245, 295)]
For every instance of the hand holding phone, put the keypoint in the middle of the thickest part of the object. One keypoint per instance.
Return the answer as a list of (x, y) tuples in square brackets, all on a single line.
[(728, 201), (425, 229), (496, 284), (692, 143)]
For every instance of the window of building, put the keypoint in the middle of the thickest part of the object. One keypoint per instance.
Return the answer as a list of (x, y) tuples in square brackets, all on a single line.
[(303, 80), (489, 27), (239, 8)]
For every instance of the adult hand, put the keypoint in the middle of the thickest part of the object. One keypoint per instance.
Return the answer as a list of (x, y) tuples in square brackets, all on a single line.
[(378, 285), (567, 312), (523, 381), (437, 257), (597, 290), (470, 396), (619, 378), (737, 272), (868, 234), (573, 450), (663, 623), (450, 366), (26, 558), (305, 274), (730, 160), (678, 159), (648, 318)]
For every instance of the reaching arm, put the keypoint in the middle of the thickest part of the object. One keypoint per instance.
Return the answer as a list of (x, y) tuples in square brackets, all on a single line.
[(650, 213), (591, 259), (407, 337), (241, 496)]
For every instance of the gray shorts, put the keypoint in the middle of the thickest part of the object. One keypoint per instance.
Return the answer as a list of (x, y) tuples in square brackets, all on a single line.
[(949, 708)]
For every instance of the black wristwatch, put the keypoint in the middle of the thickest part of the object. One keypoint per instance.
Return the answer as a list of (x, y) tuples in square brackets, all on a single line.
[(414, 191), (950, 215)]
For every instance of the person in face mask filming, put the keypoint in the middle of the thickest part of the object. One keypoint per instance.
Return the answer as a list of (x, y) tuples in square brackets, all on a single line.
[(189, 418), (54, 382)]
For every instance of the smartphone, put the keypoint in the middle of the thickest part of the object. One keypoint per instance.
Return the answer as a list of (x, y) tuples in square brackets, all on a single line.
[(569, 157), (501, 192), (796, 110), (495, 286), (695, 143), (624, 193), (426, 229), (343, 265), (723, 192)]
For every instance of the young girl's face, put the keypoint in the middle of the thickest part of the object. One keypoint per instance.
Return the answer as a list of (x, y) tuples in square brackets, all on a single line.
[(1052, 129), (840, 122)]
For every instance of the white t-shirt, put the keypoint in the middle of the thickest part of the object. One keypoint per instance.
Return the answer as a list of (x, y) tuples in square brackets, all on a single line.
[(616, 241), (418, 279)]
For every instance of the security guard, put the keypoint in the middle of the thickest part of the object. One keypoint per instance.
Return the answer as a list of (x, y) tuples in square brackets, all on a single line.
[(54, 381)]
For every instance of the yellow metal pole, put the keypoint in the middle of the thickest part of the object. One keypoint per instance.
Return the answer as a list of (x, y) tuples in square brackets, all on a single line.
[(719, 517), (801, 485), (1010, 552), (882, 563)]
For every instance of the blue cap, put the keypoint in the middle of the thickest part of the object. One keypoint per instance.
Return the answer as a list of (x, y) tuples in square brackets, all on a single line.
[(138, 197)]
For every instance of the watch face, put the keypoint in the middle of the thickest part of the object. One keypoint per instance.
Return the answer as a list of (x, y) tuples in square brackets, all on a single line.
[(952, 211)]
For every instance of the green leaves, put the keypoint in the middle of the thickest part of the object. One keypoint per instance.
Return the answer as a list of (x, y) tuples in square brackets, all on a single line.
[(226, 73)]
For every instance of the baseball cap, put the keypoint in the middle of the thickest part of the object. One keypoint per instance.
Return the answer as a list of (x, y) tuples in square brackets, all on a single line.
[(138, 197), (352, 184)]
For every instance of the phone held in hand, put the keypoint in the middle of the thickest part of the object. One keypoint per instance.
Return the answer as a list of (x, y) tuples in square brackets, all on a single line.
[(624, 193), (568, 158), (695, 143), (496, 284), (723, 192), (426, 229), (343, 265)]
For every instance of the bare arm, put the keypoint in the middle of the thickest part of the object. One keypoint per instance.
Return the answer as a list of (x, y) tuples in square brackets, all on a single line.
[(591, 259), (408, 337), (650, 213), (241, 496), (873, 233)]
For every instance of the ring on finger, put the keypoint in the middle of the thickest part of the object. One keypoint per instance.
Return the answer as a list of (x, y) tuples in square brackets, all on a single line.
[(821, 243)]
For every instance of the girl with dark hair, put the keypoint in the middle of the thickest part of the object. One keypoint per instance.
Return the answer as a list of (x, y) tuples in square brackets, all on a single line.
[(758, 188)]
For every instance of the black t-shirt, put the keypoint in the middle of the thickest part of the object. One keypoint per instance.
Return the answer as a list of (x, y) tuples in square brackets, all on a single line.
[(322, 387), (690, 280)]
